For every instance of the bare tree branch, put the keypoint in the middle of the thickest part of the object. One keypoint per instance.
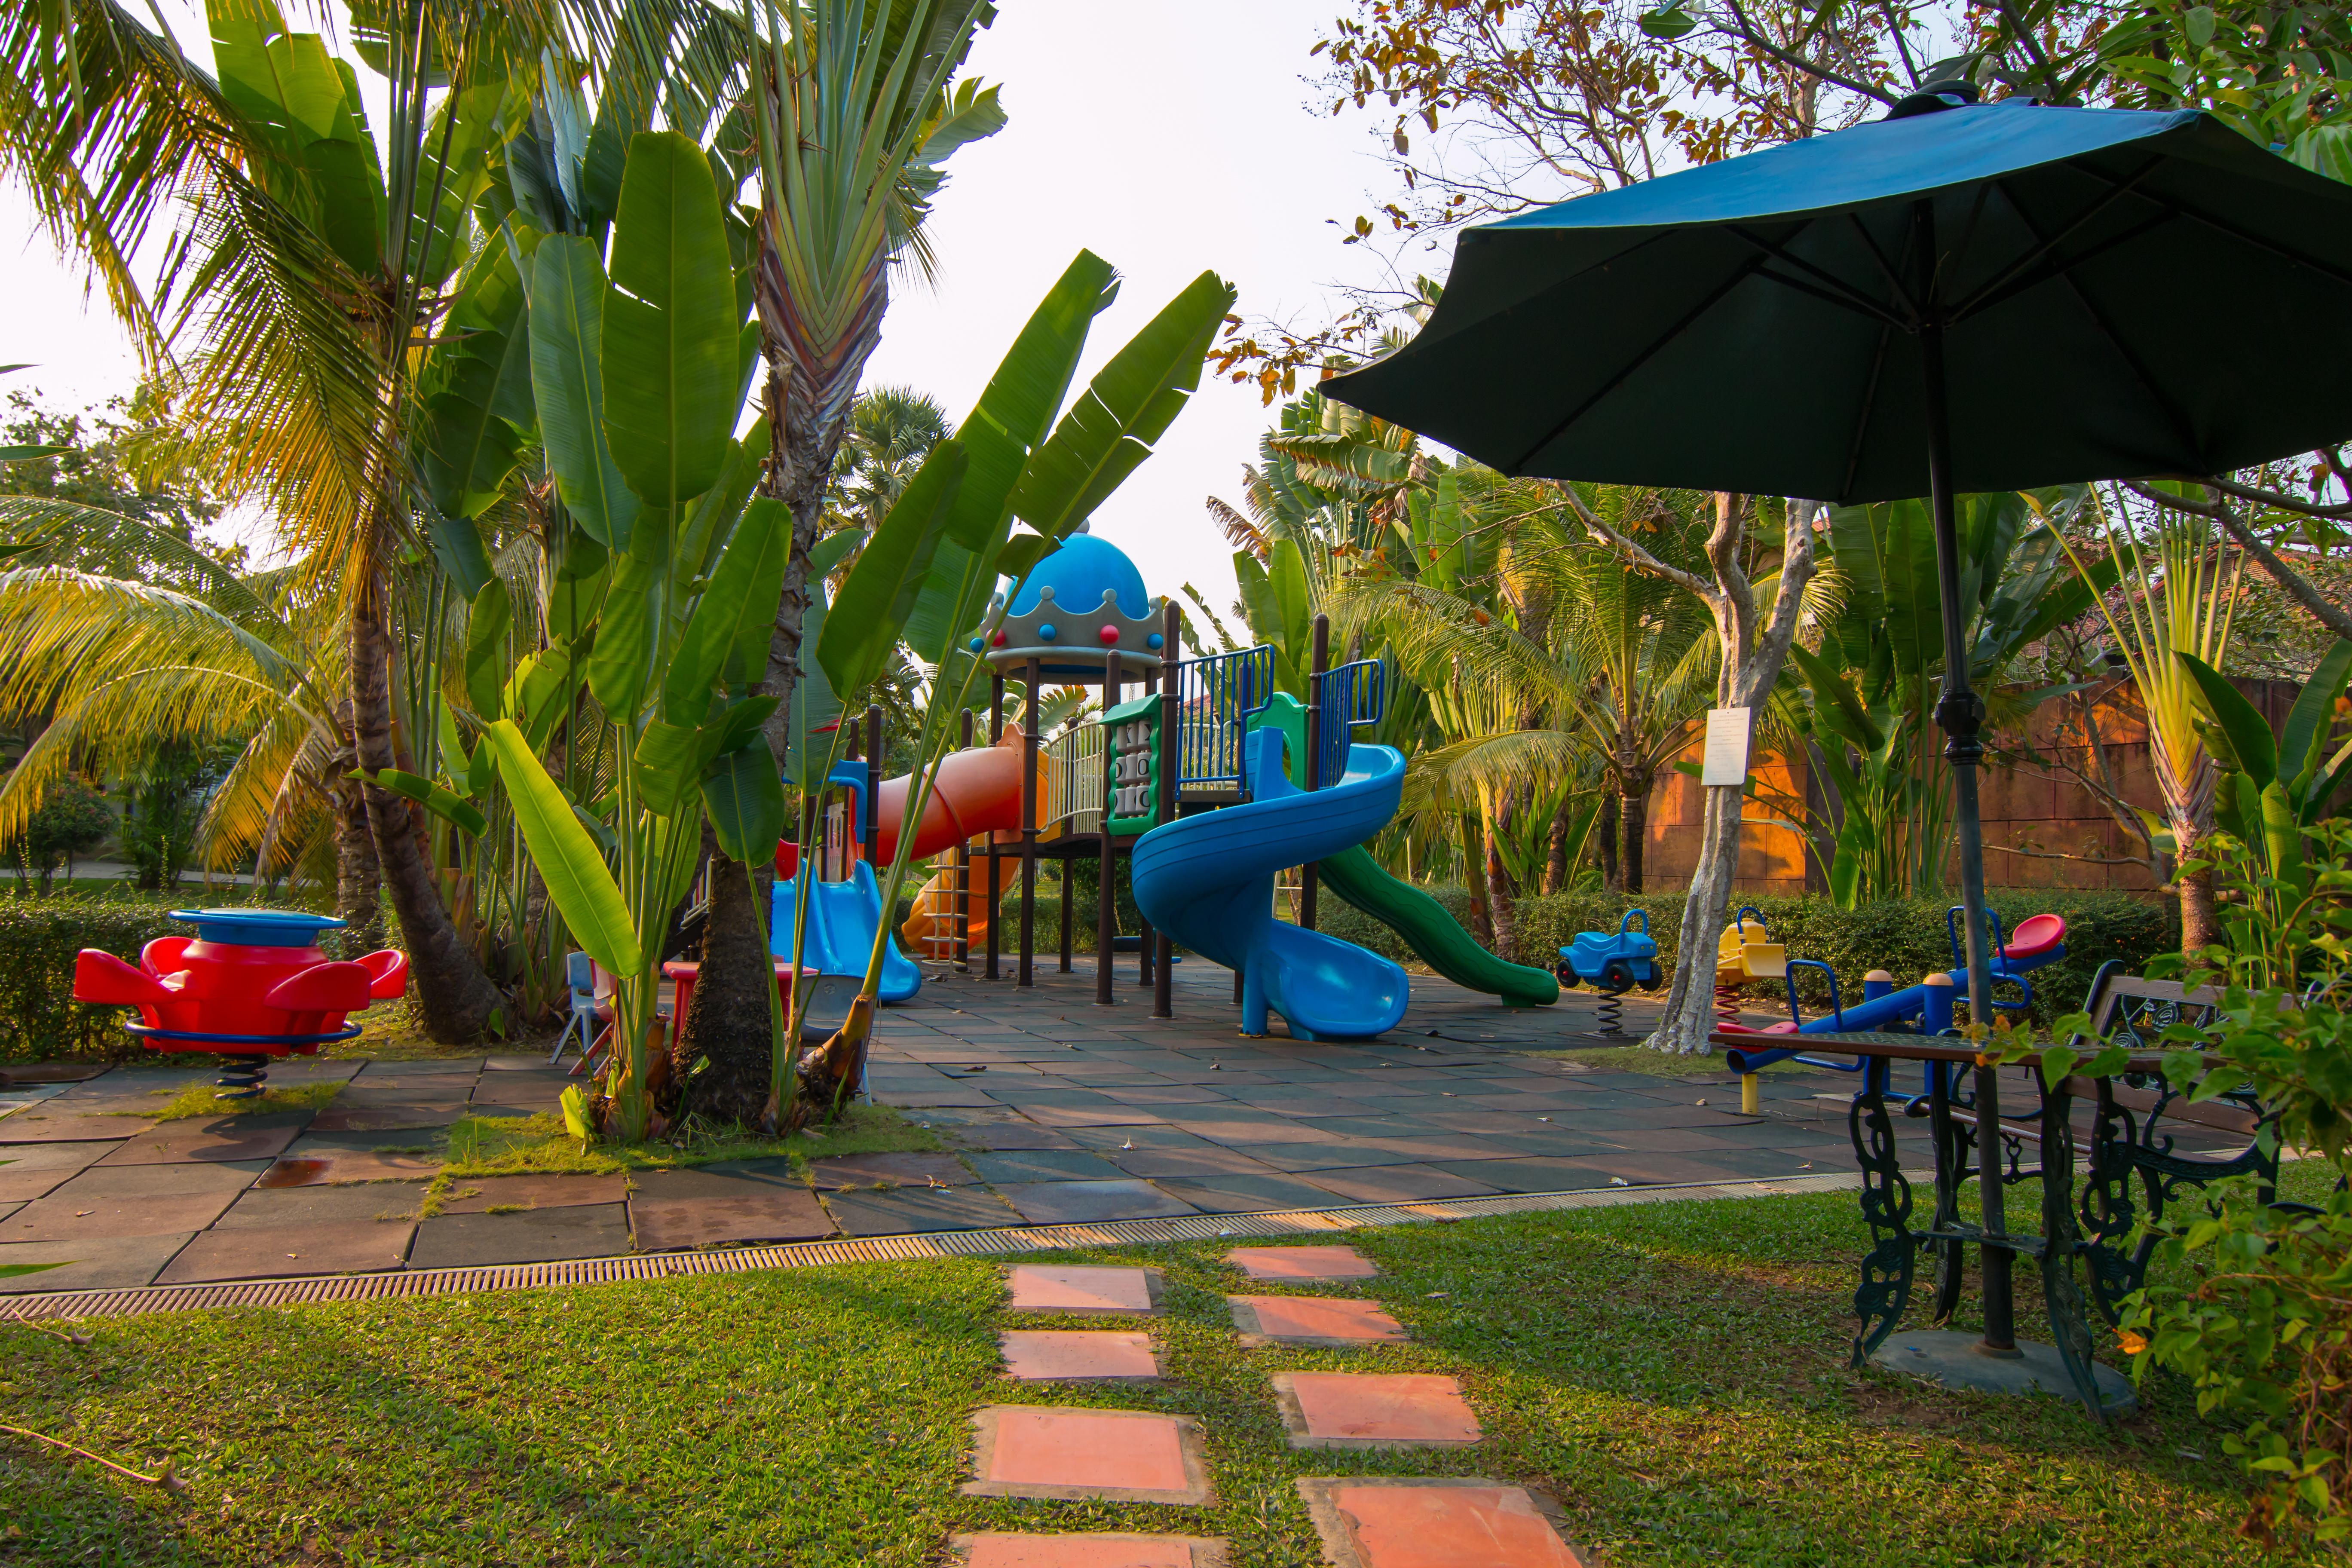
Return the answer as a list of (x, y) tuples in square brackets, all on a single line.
[(2298, 587), (1633, 553)]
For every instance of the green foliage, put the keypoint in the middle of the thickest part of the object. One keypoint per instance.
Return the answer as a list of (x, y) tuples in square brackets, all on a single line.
[(71, 820), (2263, 1329), (39, 938)]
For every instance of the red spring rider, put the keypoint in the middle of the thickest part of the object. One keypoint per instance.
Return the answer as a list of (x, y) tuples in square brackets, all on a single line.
[(252, 984)]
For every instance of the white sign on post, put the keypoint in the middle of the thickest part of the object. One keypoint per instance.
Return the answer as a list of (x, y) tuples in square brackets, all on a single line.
[(1726, 747)]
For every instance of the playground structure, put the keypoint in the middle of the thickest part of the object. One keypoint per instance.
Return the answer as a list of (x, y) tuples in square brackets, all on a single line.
[(1200, 783), (250, 986)]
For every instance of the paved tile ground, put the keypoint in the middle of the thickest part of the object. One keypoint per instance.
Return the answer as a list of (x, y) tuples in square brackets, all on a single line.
[(1055, 1110)]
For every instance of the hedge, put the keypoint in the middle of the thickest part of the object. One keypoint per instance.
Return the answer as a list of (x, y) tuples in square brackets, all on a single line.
[(1904, 937), (39, 938)]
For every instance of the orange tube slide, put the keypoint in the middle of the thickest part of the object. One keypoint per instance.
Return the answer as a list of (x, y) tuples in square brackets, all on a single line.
[(978, 791)]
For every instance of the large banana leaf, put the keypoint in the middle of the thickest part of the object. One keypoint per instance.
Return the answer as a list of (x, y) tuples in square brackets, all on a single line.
[(1014, 414), (475, 420), (303, 104), (627, 633), (746, 802), (1108, 431), (578, 881), (2306, 739), (814, 704), (487, 627), (670, 359), (875, 603), (737, 607), (567, 379), (1888, 554), (2248, 732)]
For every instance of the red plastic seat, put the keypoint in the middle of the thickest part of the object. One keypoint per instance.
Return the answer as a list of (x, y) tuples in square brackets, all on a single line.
[(164, 955), (2036, 935), (387, 971)]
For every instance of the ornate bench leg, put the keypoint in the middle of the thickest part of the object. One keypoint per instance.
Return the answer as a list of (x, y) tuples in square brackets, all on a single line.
[(2106, 1211), (1952, 1147), (2060, 1294), (1886, 1289)]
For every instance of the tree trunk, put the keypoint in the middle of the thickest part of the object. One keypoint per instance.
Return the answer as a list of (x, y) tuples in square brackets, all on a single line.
[(1556, 853), (1752, 656), (1633, 821), (1502, 913), (2200, 927), (729, 1021), (454, 999), (1612, 868), (1481, 925)]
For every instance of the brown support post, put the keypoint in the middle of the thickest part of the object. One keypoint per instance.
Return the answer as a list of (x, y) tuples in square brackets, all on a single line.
[(995, 892), (963, 880), (1146, 943), (1170, 759), (1028, 829), (873, 823), (1066, 900), (1313, 771), (1105, 908)]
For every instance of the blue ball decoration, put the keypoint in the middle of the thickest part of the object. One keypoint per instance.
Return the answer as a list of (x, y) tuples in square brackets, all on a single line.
[(975, 645), (1045, 634), (1152, 641)]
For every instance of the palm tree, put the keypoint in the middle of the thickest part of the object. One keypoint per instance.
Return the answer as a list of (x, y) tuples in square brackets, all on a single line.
[(853, 116), (892, 430)]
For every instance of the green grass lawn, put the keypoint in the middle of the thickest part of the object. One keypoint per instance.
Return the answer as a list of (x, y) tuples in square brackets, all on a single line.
[(1674, 1374)]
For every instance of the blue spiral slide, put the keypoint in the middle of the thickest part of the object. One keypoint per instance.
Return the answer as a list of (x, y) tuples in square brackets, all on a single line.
[(1208, 882)]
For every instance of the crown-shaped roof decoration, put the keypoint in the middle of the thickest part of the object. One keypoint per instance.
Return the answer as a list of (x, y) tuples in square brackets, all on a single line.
[(1073, 609)]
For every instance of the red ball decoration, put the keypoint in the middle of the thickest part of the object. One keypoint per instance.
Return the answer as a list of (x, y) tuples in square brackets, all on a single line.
[(999, 639), (1110, 633)]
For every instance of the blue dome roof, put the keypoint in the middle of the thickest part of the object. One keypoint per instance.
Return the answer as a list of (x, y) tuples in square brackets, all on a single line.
[(1078, 572)]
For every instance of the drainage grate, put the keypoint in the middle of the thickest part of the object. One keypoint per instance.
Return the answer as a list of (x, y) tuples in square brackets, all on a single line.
[(409, 1284)]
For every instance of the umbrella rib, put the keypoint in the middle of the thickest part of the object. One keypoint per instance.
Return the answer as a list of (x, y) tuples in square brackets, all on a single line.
[(1844, 302), (1637, 362), (2117, 192), (1983, 300), (2262, 242), (1846, 293), (1862, 422), (2164, 403)]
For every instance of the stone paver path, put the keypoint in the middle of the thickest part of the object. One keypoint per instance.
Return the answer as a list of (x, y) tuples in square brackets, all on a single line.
[(1055, 1112)]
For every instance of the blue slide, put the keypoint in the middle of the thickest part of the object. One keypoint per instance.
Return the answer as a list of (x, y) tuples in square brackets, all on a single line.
[(843, 919), (1208, 882)]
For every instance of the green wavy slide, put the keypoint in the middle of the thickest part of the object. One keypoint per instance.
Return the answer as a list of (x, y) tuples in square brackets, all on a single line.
[(1434, 935), (1431, 934)]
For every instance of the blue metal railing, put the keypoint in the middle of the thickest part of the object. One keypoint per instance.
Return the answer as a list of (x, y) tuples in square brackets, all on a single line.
[(1215, 695), (1352, 695)]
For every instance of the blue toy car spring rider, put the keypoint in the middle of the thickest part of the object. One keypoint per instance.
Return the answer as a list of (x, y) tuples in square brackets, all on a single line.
[(1612, 964)]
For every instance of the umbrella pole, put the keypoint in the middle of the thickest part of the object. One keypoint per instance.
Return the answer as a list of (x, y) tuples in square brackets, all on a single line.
[(1960, 715)]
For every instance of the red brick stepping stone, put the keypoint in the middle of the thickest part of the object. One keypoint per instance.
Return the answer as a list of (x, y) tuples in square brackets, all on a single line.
[(1062, 1355), (351, 1247), (1393, 1521), (1302, 1263), (994, 1551), (1312, 1321), (1120, 1456), (1372, 1410), (1090, 1292)]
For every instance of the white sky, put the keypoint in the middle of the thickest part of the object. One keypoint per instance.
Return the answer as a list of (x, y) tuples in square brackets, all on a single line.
[(1167, 136)]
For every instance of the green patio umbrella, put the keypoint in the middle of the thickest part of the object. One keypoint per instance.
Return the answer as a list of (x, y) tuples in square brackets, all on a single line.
[(1959, 296)]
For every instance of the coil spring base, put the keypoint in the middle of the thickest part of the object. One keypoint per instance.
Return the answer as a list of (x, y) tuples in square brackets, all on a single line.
[(241, 1077), (1727, 1004), (1612, 1013)]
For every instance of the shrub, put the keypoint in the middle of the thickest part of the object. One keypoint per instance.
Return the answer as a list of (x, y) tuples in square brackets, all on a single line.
[(2264, 1330), (1904, 937), (72, 820), (39, 939)]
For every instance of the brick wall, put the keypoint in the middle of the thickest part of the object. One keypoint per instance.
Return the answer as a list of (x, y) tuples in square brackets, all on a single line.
[(2028, 800)]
